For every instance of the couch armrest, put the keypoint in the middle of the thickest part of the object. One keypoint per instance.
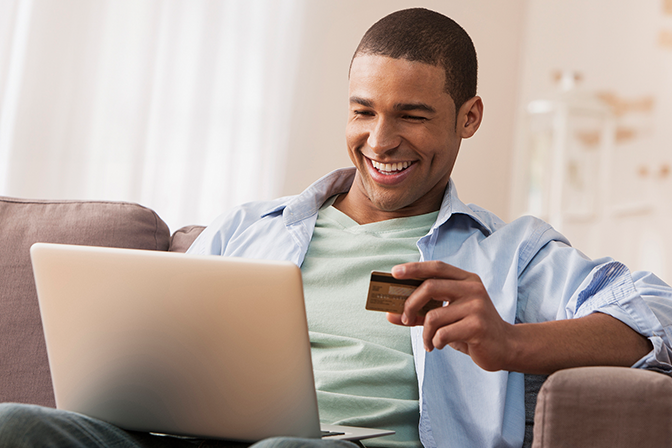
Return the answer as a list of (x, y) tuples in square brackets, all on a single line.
[(604, 407)]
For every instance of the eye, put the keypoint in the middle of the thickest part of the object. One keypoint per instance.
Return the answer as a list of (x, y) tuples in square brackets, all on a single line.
[(414, 118), (362, 114)]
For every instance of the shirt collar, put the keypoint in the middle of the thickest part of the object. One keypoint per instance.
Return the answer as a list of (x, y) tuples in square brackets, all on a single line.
[(451, 205), (308, 203)]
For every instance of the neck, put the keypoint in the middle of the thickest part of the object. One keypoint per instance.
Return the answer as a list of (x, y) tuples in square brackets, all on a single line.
[(363, 211)]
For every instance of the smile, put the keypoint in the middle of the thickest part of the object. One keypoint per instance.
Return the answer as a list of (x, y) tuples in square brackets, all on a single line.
[(390, 168)]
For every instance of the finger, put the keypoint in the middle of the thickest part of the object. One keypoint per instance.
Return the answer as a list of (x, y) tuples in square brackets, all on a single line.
[(396, 319), (434, 287), (444, 326), (428, 269), (438, 290), (452, 335)]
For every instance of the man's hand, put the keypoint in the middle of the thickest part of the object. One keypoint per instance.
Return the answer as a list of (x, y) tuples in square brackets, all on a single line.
[(468, 322)]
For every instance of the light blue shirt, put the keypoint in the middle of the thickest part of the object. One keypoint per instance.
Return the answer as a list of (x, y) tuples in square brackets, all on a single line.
[(529, 270)]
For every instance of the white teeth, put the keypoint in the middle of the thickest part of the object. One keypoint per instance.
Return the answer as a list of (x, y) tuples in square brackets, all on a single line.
[(390, 167)]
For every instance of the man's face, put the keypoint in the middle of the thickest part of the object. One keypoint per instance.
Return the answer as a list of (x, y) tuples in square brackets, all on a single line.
[(401, 136)]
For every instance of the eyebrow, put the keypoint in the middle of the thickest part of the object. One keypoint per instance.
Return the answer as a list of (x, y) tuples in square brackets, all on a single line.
[(414, 106), (399, 106)]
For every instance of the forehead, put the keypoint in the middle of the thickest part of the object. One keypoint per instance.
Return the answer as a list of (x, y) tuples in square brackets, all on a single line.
[(375, 76)]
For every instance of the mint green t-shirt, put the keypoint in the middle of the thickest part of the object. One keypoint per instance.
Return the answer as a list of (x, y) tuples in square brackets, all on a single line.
[(364, 369)]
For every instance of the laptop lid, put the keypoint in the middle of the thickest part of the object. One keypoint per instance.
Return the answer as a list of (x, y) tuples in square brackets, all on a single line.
[(179, 344)]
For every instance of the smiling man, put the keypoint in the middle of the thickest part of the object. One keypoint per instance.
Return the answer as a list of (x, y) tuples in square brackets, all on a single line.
[(516, 298)]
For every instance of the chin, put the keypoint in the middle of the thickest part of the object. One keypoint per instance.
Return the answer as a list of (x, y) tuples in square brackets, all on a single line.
[(389, 205)]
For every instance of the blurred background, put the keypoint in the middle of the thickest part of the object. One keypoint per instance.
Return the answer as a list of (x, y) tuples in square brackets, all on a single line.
[(193, 106)]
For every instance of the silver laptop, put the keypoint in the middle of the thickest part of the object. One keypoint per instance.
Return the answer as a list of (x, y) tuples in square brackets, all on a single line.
[(162, 342)]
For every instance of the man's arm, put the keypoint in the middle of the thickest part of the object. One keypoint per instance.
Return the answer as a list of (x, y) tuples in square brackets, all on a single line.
[(471, 324)]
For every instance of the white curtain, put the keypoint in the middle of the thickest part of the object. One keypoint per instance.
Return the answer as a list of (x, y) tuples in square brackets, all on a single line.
[(181, 105)]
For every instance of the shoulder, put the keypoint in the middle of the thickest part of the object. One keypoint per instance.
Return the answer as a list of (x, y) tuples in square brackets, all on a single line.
[(521, 239), (525, 227), (214, 239)]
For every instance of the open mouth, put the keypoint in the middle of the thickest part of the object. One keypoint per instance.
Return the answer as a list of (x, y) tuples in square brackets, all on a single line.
[(390, 168)]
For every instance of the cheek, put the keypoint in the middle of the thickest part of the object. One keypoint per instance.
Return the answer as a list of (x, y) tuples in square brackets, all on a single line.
[(445, 161), (444, 148), (351, 144), (355, 134)]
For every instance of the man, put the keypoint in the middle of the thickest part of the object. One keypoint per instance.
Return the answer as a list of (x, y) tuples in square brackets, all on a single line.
[(510, 289), (517, 298)]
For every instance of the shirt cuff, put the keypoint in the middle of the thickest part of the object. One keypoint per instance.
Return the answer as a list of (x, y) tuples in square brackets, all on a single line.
[(618, 297), (658, 359)]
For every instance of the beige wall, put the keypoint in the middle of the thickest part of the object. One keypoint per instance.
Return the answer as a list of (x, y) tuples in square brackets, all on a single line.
[(333, 30), (622, 49)]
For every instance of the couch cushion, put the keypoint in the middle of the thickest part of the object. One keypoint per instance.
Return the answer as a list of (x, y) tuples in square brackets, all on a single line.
[(182, 238), (24, 371)]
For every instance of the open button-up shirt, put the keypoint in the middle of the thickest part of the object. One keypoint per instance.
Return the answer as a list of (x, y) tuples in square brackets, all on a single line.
[(530, 271)]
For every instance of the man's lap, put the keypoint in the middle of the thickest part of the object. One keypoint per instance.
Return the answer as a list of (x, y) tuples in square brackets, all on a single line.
[(23, 425)]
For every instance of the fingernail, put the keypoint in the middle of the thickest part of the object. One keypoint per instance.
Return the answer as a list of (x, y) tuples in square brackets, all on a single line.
[(398, 269), (404, 319)]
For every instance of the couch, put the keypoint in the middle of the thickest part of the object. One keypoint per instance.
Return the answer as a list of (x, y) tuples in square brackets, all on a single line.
[(591, 406)]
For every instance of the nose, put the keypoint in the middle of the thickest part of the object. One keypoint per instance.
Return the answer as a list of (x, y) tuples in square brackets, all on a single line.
[(383, 136)]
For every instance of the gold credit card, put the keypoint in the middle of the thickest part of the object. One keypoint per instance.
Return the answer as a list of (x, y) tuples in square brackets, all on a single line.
[(389, 294)]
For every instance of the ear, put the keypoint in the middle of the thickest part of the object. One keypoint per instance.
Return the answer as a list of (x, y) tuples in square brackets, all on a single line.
[(469, 117)]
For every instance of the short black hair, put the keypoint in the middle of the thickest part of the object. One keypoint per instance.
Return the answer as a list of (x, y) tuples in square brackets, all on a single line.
[(429, 37)]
